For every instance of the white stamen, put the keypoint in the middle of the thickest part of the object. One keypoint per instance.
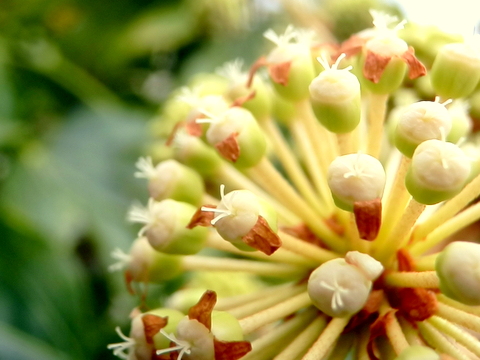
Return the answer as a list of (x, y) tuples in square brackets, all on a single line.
[(383, 21), (190, 96), (233, 71), (145, 167), (142, 215), (326, 65), (120, 348), (221, 213), (183, 346), (281, 40), (123, 260)]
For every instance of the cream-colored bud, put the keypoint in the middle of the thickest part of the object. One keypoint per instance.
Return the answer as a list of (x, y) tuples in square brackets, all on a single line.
[(370, 267)]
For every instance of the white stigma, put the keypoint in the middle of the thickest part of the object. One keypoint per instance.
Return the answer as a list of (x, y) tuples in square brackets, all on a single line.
[(145, 167), (123, 260), (220, 213), (142, 215), (338, 291), (182, 346), (326, 65), (120, 348), (382, 21), (281, 40), (190, 96), (232, 71)]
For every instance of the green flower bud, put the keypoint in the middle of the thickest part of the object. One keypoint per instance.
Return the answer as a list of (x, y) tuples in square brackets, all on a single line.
[(461, 121), (170, 179), (174, 317), (166, 226), (193, 152), (260, 105), (456, 70), (457, 267), (355, 177), (290, 65), (284, 110), (417, 352), (225, 327), (237, 126), (335, 98), (472, 150), (438, 171), (144, 264), (238, 213), (339, 288), (423, 120)]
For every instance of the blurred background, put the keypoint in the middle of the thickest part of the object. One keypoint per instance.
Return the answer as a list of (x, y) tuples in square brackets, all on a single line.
[(79, 82)]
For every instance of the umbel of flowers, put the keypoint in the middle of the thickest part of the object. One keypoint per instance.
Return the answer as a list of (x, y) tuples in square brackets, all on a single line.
[(334, 183)]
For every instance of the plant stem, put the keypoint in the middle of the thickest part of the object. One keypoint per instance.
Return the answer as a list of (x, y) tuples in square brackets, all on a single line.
[(464, 338), (424, 279), (292, 167), (449, 209), (210, 263), (308, 250), (273, 340), (282, 255), (266, 302), (327, 338), (304, 340), (376, 118), (438, 341), (277, 312), (458, 222)]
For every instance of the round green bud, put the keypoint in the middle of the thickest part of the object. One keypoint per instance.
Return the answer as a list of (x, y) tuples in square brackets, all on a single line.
[(193, 152), (284, 110), (458, 268), (208, 84), (166, 227), (238, 213), (461, 121), (248, 134), (225, 326), (338, 289), (417, 352), (174, 317), (335, 98), (170, 179), (423, 120), (456, 70), (438, 171), (387, 46), (144, 264), (472, 150), (355, 177)]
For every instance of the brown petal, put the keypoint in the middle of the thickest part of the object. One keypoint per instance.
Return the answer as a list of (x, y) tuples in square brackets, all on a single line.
[(374, 66), (202, 311), (415, 304), (231, 350), (280, 72), (242, 100), (262, 237), (405, 261), (303, 232), (368, 217), (369, 311), (152, 324), (128, 281), (416, 68), (193, 128), (353, 45), (254, 68), (377, 329), (202, 218), (229, 148)]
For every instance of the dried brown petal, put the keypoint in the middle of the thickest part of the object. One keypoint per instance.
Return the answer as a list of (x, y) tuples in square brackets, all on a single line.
[(193, 128), (414, 304), (375, 66), (242, 100), (377, 329), (128, 282), (152, 324), (262, 237), (202, 311), (405, 260), (303, 232), (368, 313), (202, 218), (416, 68), (280, 72), (231, 350), (262, 61), (368, 217), (353, 45), (229, 148)]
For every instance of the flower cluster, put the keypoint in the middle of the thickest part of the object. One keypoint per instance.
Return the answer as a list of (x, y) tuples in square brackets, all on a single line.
[(329, 184)]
